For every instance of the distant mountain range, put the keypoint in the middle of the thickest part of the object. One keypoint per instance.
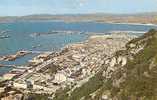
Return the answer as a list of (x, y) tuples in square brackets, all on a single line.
[(150, 17)]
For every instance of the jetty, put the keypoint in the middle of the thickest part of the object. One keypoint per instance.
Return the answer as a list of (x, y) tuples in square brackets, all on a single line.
[(3, 65)]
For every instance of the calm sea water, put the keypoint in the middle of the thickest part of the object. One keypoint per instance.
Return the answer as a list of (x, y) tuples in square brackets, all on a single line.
[(20, 36)]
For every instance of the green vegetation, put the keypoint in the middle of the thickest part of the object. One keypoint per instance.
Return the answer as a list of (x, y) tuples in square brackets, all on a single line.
[(141, 72), (61, 94), (36, 97), (85, 90), (92, 85)]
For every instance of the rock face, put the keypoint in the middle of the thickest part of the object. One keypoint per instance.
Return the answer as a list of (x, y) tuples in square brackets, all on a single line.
[(132, 72)]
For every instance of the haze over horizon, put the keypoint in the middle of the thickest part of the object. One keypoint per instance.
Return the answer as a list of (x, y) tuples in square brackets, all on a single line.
[(29, 7)]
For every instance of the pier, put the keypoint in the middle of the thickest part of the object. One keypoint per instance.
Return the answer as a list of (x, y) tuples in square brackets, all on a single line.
[(14, 66)]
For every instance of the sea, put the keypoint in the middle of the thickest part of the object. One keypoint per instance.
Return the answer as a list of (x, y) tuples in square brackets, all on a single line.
[(21, 36)]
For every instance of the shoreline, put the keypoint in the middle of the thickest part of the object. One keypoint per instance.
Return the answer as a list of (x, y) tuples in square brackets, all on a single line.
[(69, 44), (123, 23)]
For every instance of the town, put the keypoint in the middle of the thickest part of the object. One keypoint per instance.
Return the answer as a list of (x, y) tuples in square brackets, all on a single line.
[(70, 67)]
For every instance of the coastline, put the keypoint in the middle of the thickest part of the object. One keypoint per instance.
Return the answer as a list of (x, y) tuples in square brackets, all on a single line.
[(122, 23), (86, 40), (76, 21)]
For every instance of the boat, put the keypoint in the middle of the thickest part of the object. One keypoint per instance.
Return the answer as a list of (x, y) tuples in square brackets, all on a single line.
[(39, 45), (3, 37)]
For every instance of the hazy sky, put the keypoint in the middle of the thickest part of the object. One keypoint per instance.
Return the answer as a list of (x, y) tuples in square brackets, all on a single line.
[(25, 7)]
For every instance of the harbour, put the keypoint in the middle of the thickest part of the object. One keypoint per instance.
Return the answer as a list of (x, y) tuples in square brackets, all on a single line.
[(46, 42)]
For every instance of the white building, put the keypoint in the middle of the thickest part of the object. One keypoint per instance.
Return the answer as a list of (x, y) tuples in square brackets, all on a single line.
[(20, 85), (59, 78)]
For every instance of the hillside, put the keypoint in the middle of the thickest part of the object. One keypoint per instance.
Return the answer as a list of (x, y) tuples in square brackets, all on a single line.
[(135, 80)]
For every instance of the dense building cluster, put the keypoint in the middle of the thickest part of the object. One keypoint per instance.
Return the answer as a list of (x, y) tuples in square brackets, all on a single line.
[(71, 67)]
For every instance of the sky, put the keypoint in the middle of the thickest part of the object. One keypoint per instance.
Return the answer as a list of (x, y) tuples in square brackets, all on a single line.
[(28, 7)]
